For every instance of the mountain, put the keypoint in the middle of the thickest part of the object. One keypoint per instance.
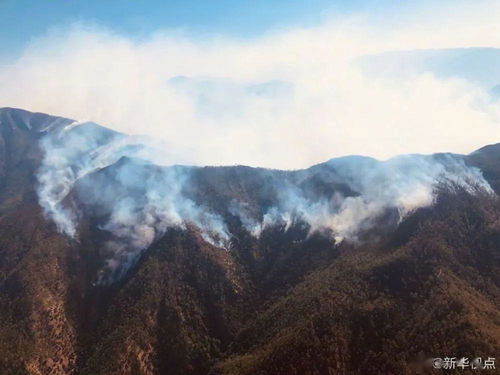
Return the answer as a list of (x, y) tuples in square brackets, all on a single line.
[(113, 264)]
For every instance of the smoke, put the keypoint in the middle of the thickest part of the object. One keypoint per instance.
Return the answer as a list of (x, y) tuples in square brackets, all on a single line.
[(287, 99), (242, 211), (138, 201), (71, 152), (401, 184), (119, 183), (90, 170), (363, 190)]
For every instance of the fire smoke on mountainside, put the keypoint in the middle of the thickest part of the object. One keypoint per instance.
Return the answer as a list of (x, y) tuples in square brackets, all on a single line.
[(92, 171)]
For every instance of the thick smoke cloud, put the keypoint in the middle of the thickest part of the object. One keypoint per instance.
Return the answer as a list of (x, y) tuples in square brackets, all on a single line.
[(403, 183), (72, 152), (139, 201), (111, 176), (287, 99), (112, 179)]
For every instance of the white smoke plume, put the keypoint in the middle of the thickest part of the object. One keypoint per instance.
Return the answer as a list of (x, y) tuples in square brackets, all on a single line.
[(402, 184), (112, 175), (69, 155), (286, 99), (118, 181)]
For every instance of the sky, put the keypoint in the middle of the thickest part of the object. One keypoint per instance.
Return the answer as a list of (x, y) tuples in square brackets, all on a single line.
[(22, 20), (282, 84)]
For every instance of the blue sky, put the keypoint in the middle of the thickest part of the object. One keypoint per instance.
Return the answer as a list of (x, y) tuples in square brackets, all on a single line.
[(22, 20)]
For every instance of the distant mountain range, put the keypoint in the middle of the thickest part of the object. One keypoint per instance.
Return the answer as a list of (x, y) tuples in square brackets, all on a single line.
[(113, 263)]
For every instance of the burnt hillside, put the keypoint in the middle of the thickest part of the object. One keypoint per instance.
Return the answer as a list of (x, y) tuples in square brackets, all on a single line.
[(289, 301)]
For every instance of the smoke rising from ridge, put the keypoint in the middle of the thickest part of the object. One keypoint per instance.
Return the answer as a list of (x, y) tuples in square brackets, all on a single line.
[(112, 179), (112, 176), (288, 99)]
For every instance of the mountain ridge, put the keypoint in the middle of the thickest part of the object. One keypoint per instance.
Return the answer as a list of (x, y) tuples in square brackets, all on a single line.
[(286, 301), (41, 119)]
